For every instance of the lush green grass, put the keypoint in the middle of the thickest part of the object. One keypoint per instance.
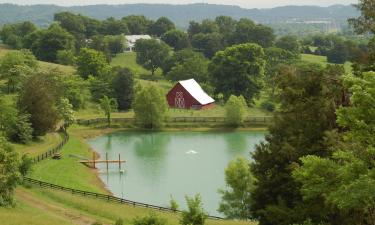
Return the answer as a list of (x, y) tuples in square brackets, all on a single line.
[(40, 145), (68, 171), (128, 59), (217, 111), (103, 211), (322, 60), (44, 66), (24, 213)]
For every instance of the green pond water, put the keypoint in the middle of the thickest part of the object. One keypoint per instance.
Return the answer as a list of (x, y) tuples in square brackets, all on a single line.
[(164, 164)]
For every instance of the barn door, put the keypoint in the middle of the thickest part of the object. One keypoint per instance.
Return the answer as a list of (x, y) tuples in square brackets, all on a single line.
[(179, 100)]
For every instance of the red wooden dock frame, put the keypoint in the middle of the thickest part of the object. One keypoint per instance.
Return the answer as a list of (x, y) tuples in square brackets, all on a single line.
[(94, 161)]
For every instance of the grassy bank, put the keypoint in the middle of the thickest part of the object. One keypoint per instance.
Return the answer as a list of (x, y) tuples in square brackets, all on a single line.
[(40, 145), (37, 206)]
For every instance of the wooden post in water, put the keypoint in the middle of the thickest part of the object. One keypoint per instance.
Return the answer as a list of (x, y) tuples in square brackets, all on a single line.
[(106, 159), (93, 159), (119, 161)]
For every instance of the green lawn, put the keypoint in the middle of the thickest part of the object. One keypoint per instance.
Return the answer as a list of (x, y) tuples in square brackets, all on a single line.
[(44, 66), (217, 111), (68, 171), (322, 60), (37, 206), (128, 59), (40, 145)]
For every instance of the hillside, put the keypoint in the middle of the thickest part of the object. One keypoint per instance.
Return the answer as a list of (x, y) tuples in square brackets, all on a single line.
[(181, 14)]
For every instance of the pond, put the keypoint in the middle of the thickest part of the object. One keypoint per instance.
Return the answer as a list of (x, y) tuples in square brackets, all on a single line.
[(164, 164)]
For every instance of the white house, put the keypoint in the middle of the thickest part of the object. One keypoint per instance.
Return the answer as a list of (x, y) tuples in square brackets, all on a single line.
[(132, 39)]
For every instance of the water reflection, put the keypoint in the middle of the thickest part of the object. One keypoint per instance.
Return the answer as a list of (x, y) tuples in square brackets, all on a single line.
[(157, 164)]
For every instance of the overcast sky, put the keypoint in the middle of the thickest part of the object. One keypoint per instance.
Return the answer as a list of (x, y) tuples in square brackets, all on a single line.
[(242, 3)]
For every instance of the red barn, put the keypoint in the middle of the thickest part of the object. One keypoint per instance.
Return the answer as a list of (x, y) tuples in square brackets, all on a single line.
[(188, 94)]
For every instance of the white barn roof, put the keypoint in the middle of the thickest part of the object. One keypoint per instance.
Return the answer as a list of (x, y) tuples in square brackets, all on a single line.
[(196, 91)]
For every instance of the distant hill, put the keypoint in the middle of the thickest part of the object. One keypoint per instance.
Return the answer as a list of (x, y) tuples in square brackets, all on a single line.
[(181, 14)]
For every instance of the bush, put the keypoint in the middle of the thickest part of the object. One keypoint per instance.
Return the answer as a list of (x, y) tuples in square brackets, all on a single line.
[(268, 106), (151, 219), (173, 204), (195, 214), (119, 221), (235, 110)]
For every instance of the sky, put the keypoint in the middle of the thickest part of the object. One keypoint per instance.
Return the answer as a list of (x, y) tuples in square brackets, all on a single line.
[(242, 3)]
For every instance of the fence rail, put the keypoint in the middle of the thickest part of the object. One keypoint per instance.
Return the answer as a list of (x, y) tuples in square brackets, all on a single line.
[(109, 198), (53, 150), (253, 120)]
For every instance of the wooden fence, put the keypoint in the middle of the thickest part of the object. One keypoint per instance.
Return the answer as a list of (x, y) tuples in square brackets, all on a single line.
[(108, 198), (264, 120), (54, 150)]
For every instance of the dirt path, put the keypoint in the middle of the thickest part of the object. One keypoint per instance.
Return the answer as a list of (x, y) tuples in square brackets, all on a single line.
[(68, 214)]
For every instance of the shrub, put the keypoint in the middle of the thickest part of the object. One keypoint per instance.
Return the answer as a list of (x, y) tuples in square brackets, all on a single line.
[(235, 110), (151, 219), (268, 106)]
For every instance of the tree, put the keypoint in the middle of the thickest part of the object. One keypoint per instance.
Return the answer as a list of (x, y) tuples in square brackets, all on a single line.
[(236, 200), (151, 53), (38, 98), (108, 105), (345, 181), (365, 22), (227, 26), (111, 26), (161, 26), (195, 214), (338, 54), (123, 88), (10, 175), (75, 89), (66, 57), (151, 219), (235, 110), (91, 62), (66, 112), (195, 67), (249, 32), (308, 98), (208, 44), (115, 43), (26, 164), (150, 107), (275, 58), (289, 43), (176, 39), (13, 34), (179, 57), (137, 24), (14, 66), (238, 70), (48, 42)]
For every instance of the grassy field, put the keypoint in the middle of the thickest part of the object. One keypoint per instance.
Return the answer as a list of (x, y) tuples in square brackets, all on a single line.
[(128, 59), (44, 207), (217, 111), (322, 60), (68, 171), (40, 145), (44, 66)]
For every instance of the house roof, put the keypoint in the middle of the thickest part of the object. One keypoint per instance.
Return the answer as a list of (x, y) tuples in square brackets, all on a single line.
[(135, 38), (196, 91)]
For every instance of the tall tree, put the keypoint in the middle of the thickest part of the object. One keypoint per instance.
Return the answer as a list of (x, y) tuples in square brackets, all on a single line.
[(48, 42), (208, 44), (176, 39), (150, 107), (137, 24), (238, 70), (39, 95), (289, 43), (309, 96), (10, 175), (194, 67), (14, 66), (91, 62), (346, 180), (236, 199), (123, 88), (108, 105), (151, 54), (161, 26), (14, 34)]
